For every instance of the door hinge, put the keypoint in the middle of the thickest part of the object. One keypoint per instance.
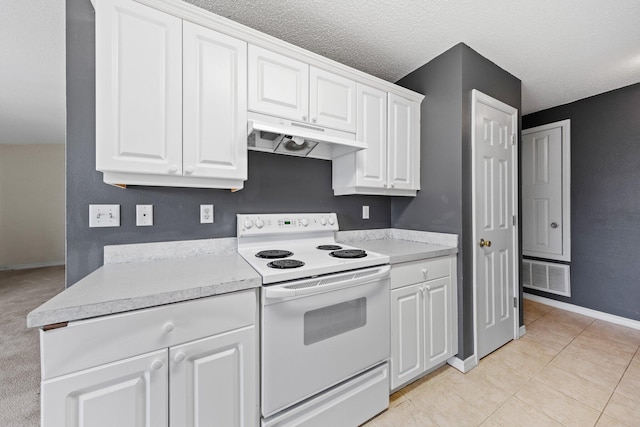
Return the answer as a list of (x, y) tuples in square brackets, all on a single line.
[(515, 220), (515, 302), (513, 139)]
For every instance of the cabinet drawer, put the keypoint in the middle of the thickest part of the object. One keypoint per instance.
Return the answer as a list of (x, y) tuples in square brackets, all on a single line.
[(412, 272), (93, 342)]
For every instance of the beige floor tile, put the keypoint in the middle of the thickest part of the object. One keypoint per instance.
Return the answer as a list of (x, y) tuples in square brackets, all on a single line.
[(524, 363), (616, 332), (501, 375), (582, 390), (542, 334), (533, 311), (557, 405), (478, 391), (490, 423), (607, 421), (630, 387), (634, 368), (605, 376), (406, 414), (516, 413), (532, 348), (623, 409), (598, 357), (446, 408), (602, 343)]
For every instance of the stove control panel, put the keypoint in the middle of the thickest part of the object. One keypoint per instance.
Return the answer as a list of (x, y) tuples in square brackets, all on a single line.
[(257, 225)]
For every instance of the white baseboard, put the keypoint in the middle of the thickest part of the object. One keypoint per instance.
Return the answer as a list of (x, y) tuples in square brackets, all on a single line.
[(465, 365), (522, 331), (34, 265), (601, 315)]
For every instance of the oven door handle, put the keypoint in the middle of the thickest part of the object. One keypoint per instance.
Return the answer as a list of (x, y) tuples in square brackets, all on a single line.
[(290, 290)]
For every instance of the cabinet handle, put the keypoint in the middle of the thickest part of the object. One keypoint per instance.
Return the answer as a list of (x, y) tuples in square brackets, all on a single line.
[(313, 120), (179, 357), (304, 118), (392, 185), (173, 169), (189, 169), (424, 272), (157, 364), (168, 327)]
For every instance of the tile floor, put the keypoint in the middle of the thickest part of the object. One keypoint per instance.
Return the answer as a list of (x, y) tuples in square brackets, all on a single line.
[(568, 370)]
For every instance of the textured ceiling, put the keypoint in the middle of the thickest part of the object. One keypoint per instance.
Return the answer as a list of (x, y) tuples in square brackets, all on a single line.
[(562, 50), (32, 73)]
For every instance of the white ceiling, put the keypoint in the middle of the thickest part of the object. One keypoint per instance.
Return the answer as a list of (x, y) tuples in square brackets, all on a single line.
[(561, 50)]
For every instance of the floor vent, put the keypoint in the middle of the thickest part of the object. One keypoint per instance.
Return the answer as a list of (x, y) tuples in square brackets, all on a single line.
[(546, 276)]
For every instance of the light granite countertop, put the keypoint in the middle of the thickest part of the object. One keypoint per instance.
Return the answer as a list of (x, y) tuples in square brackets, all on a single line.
[(116, 288), (404, 250)]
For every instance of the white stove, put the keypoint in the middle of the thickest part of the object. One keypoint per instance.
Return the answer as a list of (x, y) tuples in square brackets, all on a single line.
[(324, 321), (296, 246)]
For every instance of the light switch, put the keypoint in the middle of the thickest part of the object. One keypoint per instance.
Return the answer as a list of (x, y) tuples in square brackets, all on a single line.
[(104, 215)]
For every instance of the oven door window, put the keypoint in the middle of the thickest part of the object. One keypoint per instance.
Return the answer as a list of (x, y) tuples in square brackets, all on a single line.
[(326, 322)]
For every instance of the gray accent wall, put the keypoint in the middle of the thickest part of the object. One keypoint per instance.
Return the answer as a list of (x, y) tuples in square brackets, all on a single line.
[(605, 200), (276, 183), (444, 202)]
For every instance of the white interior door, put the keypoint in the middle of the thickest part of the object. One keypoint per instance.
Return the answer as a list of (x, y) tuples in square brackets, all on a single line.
[(545, 191), (494, 232)]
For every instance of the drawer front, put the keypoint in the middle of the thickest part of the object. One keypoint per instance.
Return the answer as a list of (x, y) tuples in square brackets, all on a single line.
[(412, 272), (93, 342)]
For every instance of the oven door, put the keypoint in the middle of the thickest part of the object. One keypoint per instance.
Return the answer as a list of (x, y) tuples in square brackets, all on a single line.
[(319, 332)]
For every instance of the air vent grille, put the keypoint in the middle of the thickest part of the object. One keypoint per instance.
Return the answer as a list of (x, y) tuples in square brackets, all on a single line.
[(546, 276)]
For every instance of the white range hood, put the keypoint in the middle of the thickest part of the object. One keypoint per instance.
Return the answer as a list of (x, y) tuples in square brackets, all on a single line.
[(276, 135)]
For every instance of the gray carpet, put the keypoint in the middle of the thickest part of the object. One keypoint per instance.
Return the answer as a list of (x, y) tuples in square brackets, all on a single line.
[(20, 292)]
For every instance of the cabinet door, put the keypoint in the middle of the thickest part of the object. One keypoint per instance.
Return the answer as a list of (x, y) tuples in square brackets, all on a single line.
[(437, 321), (138, 89), (278, 85), (407, 334), (332, 100), (403, 143), (128, 393), (371, 163), (214, 380), (215, 104)]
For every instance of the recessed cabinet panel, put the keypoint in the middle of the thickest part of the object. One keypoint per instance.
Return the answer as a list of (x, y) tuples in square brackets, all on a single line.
[(278, 85), (332, 100), (129, 393), (407, 338), (215, 104), (437, 321), (403, 143), (372, 129), (214, 379), (138, 89)]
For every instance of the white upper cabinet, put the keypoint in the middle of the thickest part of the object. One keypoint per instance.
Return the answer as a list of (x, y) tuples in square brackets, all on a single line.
[(332, 100), (404, 143), (390, 165), (170, 104), (215, 104), (278, 85), (283, 87), (138, 89)]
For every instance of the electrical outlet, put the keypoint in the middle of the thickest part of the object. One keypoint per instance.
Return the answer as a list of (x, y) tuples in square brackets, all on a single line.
[(144, 215), (104, 215), (206, 214), (365, 212)]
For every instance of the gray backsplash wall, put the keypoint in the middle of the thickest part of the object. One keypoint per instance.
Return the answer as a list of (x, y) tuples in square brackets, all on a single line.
[(276, 183), (605, 199), (444, 202)]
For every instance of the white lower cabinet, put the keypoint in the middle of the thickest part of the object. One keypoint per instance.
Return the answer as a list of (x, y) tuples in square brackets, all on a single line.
[(181, 382), (423, 317)]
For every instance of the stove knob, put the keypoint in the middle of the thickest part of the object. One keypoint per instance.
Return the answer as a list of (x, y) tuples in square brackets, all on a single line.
[(305, 221), (259, 223), (248, 223), (331, 220), (323, 221)]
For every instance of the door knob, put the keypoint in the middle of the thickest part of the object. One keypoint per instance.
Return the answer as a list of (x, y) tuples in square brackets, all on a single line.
[(485, 243), (554, 225)]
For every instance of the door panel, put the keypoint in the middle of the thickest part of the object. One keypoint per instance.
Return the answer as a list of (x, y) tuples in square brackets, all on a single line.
[(542, 216), (494, 207), (128, 393), (407, 341), (138, 89), (278, 85), (215, 104), (437, 321), (372, 129), (214, 380), (332, 100), (403, 143)]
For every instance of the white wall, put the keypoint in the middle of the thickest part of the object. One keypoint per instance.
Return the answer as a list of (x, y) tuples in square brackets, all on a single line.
[(32, 205)]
